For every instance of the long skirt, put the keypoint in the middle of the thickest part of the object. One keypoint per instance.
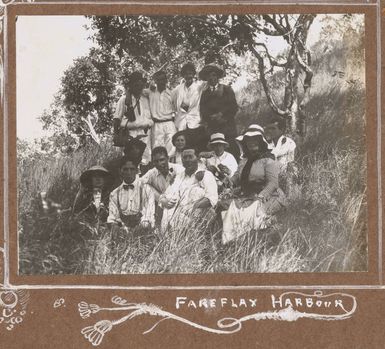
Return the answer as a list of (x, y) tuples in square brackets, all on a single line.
[(242, 217)]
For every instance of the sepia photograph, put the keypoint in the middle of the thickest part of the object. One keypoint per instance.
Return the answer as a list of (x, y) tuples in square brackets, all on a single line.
[(199, 144)]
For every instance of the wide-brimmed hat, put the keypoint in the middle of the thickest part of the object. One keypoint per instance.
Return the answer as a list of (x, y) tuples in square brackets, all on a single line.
[(218, 138), (187, 66), (85, 178), (254, 131), (211, 67), (176, 135)]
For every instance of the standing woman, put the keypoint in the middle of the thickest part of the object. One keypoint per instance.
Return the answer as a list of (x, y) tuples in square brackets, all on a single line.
[(257, 194)]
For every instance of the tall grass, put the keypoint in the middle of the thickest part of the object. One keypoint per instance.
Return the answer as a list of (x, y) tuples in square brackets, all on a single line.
[(323, 228)]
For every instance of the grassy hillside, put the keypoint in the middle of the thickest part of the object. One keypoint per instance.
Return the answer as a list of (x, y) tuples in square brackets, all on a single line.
[(323, 229)]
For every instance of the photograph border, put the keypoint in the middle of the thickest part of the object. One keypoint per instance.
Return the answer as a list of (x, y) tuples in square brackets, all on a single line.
[(193, 281)]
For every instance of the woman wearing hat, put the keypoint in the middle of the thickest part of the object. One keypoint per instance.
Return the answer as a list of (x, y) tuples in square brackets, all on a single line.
[(221, 163), (257, 194), (91, 201), (218, 106)]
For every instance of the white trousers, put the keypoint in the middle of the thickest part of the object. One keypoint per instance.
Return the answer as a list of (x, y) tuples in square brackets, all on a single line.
[(161, 135)]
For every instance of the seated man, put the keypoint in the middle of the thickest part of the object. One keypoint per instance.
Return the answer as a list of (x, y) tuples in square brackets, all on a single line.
[(283, 146), (192, 189), (131, 204), (163, 174), (219, 162)]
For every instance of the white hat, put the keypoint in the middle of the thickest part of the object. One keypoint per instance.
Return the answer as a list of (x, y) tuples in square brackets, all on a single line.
[(216, 138), (254, 130)]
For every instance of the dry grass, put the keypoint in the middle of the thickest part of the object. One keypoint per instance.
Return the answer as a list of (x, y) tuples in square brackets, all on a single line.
[(323, 229)]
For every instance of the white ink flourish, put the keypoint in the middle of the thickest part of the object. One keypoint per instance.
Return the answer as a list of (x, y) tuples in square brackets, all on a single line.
[(13, 305), (96, 333), (228, 325)]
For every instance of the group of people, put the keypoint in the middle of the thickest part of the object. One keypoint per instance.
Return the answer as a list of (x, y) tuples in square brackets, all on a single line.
[(182, 156)]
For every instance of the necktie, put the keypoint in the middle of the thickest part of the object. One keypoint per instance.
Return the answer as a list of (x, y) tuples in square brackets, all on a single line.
[(128, 186)]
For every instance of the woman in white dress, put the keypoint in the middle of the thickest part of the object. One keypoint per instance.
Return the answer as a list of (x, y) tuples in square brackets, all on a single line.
[(256, 192)]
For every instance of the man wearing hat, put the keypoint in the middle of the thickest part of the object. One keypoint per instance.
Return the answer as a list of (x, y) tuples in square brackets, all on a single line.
[(91, 202), (162, 112), (133, 112), (220, 163), (218, 106)]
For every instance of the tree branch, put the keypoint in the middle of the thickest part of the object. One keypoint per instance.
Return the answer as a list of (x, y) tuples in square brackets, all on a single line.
[(261, 68), (272, 60)]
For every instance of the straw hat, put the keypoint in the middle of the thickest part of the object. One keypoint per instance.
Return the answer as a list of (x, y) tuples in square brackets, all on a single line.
[(85, 177), (218, 138), (211, 67)]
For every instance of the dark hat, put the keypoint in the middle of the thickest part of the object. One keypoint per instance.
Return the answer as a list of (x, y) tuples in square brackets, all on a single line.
[(135, 141), (188, 66), (176, 135), (85, 177), (134, 77), (158, 73), (211, 67)]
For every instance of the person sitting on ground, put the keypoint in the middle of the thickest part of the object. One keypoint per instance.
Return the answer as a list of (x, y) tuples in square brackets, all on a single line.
[(283, 146), (163, 174), (221, 163), (162, 113), (91, 201), (179, 141), (257, 194), (133, 149), (131, 204), (193, 189), (160, 177)]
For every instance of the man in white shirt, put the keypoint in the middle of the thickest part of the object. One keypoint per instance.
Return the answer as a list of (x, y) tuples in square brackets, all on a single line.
[(163, 174), (162, 112), (283, 146), (192, 189), (186, 98), (131, 204), (133, 112)]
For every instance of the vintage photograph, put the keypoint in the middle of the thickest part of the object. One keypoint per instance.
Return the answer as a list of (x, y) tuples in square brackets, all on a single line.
[(191, 144)]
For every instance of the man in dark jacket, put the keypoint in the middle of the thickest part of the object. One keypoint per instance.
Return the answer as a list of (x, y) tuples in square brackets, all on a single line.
[(218, 106)]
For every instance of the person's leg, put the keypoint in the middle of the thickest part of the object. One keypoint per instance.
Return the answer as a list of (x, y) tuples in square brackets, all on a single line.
[(169, 130)]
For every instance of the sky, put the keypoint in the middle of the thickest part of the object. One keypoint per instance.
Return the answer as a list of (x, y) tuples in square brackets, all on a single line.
[(45, 47)]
